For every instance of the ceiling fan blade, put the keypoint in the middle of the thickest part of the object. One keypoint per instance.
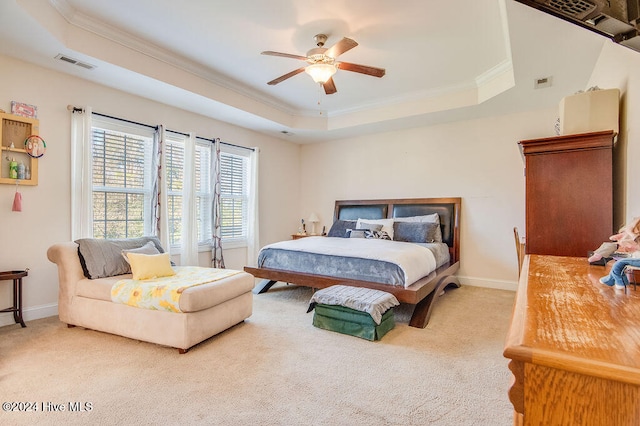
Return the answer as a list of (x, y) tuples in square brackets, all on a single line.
[(329, 87), (284, 55), (286, 76), (340, 47), (362, 69)]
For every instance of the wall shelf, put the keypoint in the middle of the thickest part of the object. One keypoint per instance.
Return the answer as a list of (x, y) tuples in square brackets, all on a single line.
[(15, 129)]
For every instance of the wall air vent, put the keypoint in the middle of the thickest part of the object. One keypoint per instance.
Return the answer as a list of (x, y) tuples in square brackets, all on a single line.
[(70, 60)]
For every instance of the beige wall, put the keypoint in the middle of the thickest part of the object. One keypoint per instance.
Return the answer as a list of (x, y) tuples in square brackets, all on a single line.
[(618, 67), (45, 218)]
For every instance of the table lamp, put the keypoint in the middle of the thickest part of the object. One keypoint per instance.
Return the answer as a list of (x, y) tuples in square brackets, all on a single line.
[(313, 219)]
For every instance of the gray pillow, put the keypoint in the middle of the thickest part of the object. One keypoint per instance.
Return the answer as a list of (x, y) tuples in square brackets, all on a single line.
[(101, 258), (370, 226), (417, 232), (339, 228), (357, 233), (149, 248)]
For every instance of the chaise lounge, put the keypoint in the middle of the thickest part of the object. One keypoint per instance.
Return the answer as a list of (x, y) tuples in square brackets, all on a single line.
[(207, 309)]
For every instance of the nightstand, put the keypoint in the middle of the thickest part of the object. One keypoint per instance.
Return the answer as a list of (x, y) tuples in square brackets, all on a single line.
[(298, 236)]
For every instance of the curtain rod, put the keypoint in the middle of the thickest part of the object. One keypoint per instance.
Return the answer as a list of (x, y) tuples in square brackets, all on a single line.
[(81, 110)]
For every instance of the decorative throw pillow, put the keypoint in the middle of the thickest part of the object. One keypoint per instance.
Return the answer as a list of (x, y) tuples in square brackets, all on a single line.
[(435, 218), (387, 225), (370, 226), (149, 248), (101, 258), (339, 228), (376, 234), (357, 233), (417, 232), (147, 266)]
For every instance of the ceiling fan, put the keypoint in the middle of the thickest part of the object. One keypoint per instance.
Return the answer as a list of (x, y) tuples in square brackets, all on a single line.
[(323, 64)]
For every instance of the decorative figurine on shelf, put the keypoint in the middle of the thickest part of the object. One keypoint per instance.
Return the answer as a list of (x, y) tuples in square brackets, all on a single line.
[(628, 242)]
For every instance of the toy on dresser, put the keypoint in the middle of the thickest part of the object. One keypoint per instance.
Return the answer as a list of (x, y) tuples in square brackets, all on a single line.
[(627, 243), (623, 241)]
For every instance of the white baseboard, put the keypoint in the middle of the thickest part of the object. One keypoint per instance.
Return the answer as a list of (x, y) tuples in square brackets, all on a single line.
[(30, 314), (497, 284)]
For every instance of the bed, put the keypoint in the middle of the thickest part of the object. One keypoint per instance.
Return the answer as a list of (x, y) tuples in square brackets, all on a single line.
[(421, 292)]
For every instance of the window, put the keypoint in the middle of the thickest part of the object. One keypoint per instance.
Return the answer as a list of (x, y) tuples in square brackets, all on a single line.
[(234, 194), (174, 153), (123, 173), (121, 182)]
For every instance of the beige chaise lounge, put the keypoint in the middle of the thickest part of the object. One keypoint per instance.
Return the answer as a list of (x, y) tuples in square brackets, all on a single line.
[(207, 309)]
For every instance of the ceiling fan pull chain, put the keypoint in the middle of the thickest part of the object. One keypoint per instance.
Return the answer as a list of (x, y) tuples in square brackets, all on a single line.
[(319, 97)]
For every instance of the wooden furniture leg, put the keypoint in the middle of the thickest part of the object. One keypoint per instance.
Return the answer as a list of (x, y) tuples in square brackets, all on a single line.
[(423, 309), (16, 308), (263, 286)]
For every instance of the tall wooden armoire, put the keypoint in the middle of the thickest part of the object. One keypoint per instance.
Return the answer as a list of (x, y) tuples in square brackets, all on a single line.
[(569, 193)]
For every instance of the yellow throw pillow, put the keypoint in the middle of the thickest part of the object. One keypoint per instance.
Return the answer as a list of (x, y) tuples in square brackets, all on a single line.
[(146, 266)]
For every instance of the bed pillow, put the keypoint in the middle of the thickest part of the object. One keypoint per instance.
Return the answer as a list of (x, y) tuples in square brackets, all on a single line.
[(387, 225), (339, 228), (101, 258), (435, 218), (147, 266), (376, 234), (417, 232), (357, 233), (370, 227), (149, 248)]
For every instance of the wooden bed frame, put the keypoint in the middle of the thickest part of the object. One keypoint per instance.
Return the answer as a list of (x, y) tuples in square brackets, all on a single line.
[(423, 293)]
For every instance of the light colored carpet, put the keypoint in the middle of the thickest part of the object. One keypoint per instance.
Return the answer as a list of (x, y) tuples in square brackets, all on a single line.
[(273, 369)]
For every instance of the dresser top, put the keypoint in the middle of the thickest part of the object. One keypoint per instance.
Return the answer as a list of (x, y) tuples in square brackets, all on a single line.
[(564, 318)]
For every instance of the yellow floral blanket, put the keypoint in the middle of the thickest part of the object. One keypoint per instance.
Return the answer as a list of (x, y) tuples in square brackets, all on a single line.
[(163, 294)]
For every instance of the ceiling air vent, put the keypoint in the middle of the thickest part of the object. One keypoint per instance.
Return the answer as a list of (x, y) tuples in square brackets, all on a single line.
[(70, 60), (578, 9)]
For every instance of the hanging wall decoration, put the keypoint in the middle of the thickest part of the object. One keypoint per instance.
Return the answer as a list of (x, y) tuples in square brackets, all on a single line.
[(35, 146), (17, 201)]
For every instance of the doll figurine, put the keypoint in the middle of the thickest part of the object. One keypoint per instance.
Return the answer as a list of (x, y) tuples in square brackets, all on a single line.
[(628, 240), (622, 241)]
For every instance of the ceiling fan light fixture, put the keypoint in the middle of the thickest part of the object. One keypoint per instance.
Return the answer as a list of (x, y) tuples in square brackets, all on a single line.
[(320, 73)]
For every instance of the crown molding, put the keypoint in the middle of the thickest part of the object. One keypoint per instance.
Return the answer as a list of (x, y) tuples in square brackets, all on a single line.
[(87, 23)]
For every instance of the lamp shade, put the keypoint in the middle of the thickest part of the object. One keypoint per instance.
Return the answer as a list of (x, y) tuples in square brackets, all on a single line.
[(313, 218), (320, 73)]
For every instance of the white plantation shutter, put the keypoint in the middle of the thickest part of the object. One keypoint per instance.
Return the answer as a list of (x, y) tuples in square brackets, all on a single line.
[(121, 183), (174, 153), (233, 195)]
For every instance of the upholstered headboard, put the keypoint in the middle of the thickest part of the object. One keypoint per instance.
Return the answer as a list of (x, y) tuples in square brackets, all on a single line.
[(447, 208)]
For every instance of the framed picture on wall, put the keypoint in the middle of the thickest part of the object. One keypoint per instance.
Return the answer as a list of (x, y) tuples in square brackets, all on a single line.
[(24, 110)]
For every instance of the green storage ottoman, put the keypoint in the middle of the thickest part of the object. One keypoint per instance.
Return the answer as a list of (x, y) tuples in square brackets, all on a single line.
[(355, 311), (354, 323)]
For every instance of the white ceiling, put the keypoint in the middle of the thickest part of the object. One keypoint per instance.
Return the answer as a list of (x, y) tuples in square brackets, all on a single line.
[(444, 60)]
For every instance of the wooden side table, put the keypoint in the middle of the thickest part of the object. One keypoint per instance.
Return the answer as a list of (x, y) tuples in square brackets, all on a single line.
[(16, 277)]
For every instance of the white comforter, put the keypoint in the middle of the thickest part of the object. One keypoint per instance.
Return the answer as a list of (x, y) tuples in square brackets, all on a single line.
[(415, 261)]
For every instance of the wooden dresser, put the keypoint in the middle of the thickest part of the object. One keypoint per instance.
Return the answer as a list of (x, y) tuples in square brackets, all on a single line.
[(574, 346)]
